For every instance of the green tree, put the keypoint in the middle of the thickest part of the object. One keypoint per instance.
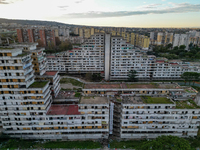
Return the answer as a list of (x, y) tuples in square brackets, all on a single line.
[(190, 76), (58, 42), (132, 76), (176, 48), (96, 77), (182, 47), (88, 76), (166, 143), (169, 46), (64, 46)]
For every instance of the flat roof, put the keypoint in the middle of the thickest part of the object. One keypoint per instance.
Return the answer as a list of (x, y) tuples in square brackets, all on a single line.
[(50, 56), (102, 86), (189, 104), (50, 73), (131, 86), (146, 100), (152, 86), (93, 100), (63, 110), (38, 84)]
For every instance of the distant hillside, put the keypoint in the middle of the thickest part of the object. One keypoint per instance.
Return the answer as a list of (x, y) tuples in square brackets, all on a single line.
[(33, 22)]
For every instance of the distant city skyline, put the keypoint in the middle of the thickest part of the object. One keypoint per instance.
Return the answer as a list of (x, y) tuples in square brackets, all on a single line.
[(116, 13)]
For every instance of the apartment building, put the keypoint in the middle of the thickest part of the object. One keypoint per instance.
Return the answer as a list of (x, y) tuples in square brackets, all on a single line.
[(136, 117), (124, 57), (115, 58), (26, 107), (31, 35), (39, 66), (160, 38), (87, 58), (54, 79), (63, 32)]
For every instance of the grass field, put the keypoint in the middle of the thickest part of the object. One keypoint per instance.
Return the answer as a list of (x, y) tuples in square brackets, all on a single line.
[(186, 105), (72, 81), (24, 144), (156, 100)]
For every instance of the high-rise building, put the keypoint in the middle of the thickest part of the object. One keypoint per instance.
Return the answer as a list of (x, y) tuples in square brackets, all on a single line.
[(26, 109), (32, 35), (113, 57), (87, 33)]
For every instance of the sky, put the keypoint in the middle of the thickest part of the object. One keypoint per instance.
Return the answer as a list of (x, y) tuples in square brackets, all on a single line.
[(117, 13)]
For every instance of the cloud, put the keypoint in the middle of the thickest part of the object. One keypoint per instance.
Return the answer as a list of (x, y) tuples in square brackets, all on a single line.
[(80, 1), (3, 2), (176, 8), (163, 0), (63, 6), (8, 1), (150, 6)]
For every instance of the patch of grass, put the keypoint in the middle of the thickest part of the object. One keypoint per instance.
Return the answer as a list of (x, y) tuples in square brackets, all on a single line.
[(132, 144), (72, 81), (16, 143), (23, 54), (73, 144), (62, 89), (156, 100), (6, 48), (38, 84), (196, 88), (25, 144), (185, 105), (77, 94)]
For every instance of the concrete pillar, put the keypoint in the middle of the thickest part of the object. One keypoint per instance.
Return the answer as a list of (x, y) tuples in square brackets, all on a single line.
[(107, 56)]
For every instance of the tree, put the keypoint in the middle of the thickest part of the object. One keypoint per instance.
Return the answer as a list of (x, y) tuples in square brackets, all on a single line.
[(66, 45), (132, 76), (169, 46), (88, 76), (190, 76), (58, 42), (182, 47), (176, 48), (51, 46), (166, 143), (96, 77)]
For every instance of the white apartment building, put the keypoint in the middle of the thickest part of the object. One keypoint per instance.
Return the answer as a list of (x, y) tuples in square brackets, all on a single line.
[(113, 57), (134, 118), (63, 32), (26, 107), (124, 58), (87, 58), (54, 79)]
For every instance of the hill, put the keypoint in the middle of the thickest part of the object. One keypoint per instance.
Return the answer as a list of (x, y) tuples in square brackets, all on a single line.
[(34, 22)]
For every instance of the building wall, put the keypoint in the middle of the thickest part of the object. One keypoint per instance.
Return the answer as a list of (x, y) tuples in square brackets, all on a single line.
[(107, 56), (20, 35)]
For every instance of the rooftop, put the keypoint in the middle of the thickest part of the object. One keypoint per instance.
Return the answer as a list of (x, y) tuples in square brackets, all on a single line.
[(38, 84), (102, 86), (50, 73), (156, 100), (152, 86), (50, 56), (146, 100), (63, 110), (130, 86), (189, 104), (6, 48), (23, 54), (93, 100)]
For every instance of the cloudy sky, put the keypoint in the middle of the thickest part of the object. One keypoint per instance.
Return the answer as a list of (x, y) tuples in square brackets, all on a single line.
[(119, 13)]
